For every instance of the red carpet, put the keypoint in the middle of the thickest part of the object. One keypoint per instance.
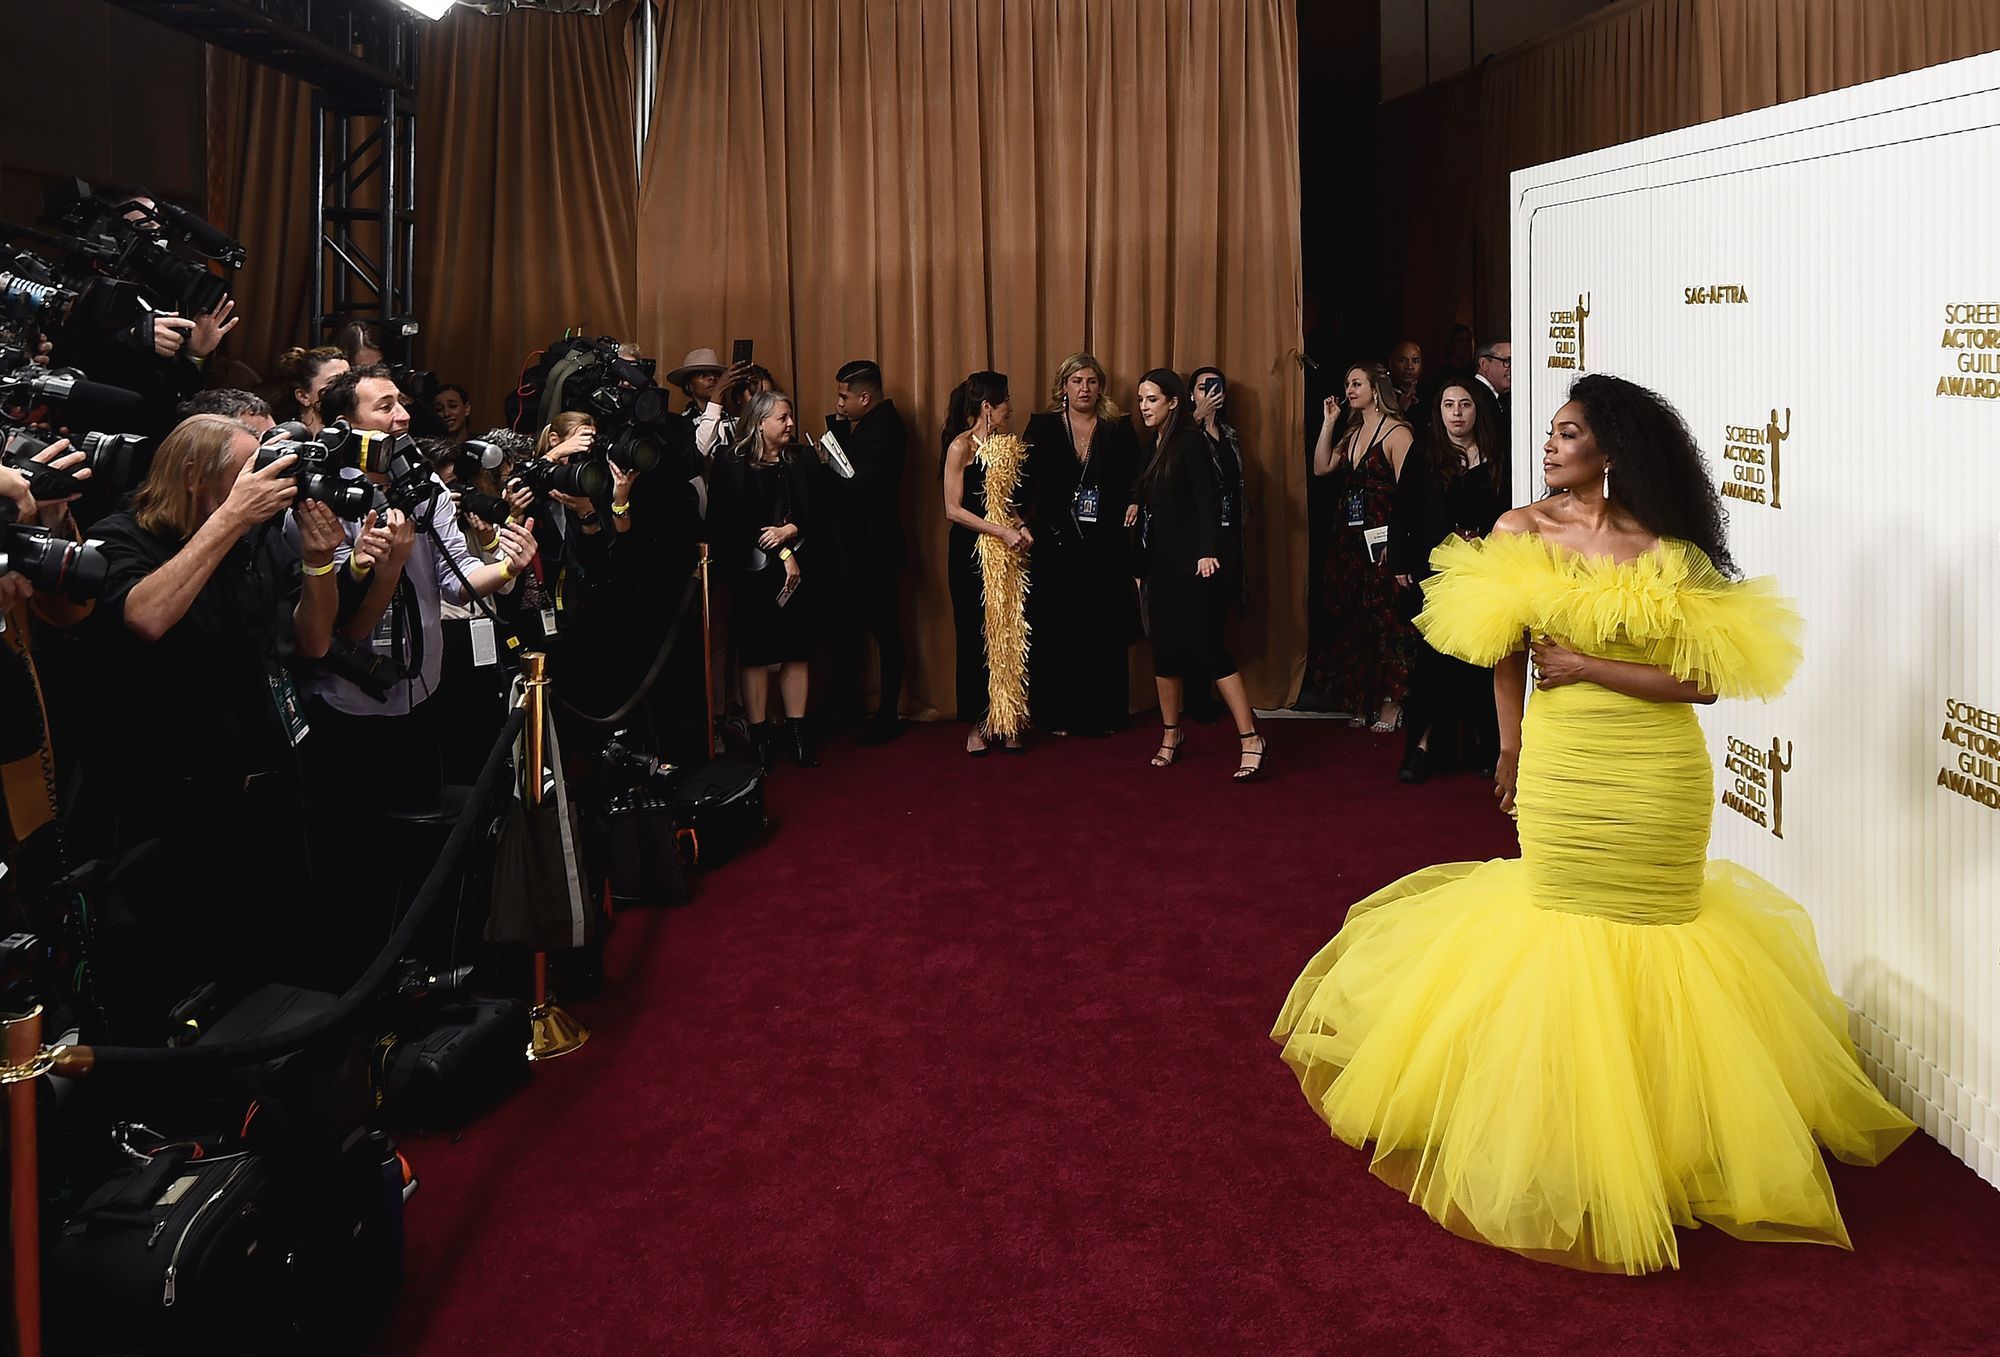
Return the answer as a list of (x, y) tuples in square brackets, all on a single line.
[(971, 1056)]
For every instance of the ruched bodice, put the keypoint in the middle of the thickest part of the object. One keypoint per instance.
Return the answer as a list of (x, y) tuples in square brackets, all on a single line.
[(1570, 1054)]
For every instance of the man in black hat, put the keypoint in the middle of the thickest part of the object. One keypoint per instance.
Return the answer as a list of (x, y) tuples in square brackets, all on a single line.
[(868, 497)]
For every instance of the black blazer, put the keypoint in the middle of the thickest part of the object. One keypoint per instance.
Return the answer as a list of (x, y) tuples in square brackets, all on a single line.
[(871, 504), (1183, 512)]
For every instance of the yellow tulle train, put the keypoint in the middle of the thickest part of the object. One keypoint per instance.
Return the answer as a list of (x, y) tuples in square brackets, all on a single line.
[(1572, 1087)]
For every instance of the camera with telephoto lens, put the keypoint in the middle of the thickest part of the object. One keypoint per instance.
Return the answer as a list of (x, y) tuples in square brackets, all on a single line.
[(584, 477), (76, 570), (116, 459), (489, 509), (315, 472)]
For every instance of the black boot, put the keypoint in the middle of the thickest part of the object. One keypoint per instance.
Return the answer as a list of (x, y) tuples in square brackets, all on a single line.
[(764, 744), (1416, 767), (802, 750)]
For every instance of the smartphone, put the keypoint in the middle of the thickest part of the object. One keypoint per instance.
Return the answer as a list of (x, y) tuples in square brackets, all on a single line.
[(739, 352)]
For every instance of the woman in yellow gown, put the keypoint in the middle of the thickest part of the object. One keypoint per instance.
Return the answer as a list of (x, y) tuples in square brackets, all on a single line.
[(1570, 1053)]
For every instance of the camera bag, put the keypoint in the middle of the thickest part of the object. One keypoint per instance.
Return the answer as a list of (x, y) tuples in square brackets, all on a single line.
[(178, 1253), (642, 850), (471, 1053), (718, 809), (311, 1103), (344, 1246)]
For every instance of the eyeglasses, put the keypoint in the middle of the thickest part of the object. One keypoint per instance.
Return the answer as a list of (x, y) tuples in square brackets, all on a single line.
[(1496, 358)]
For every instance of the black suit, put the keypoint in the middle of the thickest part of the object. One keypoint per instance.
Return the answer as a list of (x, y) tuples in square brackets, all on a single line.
[(869, 510)]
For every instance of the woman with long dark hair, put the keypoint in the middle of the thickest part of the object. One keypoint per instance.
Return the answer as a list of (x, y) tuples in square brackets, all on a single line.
[(1360, 643), (1571, 1053), (760, 510), (1455, 485), (1083, 610), (1208, 403), (977, 414), (1179, 528)]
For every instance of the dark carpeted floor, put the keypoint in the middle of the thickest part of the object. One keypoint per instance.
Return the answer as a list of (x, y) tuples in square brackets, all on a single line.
[(972, 1056)]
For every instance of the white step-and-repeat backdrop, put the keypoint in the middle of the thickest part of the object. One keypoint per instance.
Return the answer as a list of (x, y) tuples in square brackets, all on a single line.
[(1817, 287)]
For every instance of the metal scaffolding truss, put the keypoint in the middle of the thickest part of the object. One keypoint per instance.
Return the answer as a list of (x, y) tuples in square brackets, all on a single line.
[(360, 56)]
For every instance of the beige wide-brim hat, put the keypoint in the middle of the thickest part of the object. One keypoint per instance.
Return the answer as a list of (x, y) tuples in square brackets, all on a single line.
[(698, 360)]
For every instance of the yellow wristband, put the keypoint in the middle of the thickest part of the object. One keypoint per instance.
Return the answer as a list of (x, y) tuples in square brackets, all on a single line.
[(506, 571), (356, 569), (317, 570), (621, 509), (785, 555)]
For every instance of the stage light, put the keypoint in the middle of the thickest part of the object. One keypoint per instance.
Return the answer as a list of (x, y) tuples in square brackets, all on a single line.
[(430, 9)]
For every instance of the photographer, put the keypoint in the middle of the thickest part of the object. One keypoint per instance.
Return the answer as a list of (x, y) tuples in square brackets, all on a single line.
[(251, 411), (398, 569), (26, 753), (207, 598)]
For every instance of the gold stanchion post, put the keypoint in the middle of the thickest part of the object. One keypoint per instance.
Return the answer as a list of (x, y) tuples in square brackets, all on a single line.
[(20, 1044), (707, 655), (553, 1032)]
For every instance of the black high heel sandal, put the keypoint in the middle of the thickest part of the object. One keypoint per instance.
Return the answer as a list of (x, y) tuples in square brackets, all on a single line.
[(1168, 753), (1243, 774)]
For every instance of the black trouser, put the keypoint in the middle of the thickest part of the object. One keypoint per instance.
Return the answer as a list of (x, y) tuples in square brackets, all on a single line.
[(869, 607)]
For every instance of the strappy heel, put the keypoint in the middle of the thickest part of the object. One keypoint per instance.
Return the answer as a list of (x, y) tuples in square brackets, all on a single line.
[(1168, 753), (1248, 770)]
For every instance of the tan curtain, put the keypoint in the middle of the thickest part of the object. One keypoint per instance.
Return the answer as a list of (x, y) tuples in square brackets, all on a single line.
[(525, 191), (260, 189), (947, 185), (1633, 70)]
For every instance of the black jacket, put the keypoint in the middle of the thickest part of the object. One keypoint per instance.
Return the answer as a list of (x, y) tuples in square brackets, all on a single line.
[(1183, 515), (870, 506)]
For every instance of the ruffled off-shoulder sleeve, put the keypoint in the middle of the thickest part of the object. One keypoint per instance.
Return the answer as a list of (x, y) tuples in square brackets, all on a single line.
[(1735, 638), (1477, 605)]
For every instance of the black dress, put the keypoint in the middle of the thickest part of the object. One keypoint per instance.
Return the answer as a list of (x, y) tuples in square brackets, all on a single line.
[(1178, 528), (968, 610), (1083, 610), (1449, 700), (745, 500)]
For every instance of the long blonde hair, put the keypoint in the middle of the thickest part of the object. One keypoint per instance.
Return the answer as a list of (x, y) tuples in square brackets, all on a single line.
[(1075, 363), (193, 456)]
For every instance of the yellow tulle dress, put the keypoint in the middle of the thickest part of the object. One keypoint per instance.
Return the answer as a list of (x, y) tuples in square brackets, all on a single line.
[(1571, 1053)]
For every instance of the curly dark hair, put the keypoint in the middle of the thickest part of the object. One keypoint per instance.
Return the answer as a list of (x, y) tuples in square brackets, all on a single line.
[(1657, 471)]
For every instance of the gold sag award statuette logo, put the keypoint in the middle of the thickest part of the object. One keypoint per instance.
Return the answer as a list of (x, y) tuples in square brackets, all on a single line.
[(1758, 790), (1751, 454), (1973, 762), (1715, 294), (1566, 335), (1972, 341)]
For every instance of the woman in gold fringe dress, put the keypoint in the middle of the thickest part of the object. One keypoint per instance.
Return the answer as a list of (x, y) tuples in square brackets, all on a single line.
[(983, 469), (1571, 1053)]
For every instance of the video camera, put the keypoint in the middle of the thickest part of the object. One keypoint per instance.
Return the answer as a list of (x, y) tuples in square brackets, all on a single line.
[(31, 291), (133, 242), (635, 429)]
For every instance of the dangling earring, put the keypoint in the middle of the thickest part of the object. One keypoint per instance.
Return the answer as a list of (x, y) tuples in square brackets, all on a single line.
[(1607, 480)]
